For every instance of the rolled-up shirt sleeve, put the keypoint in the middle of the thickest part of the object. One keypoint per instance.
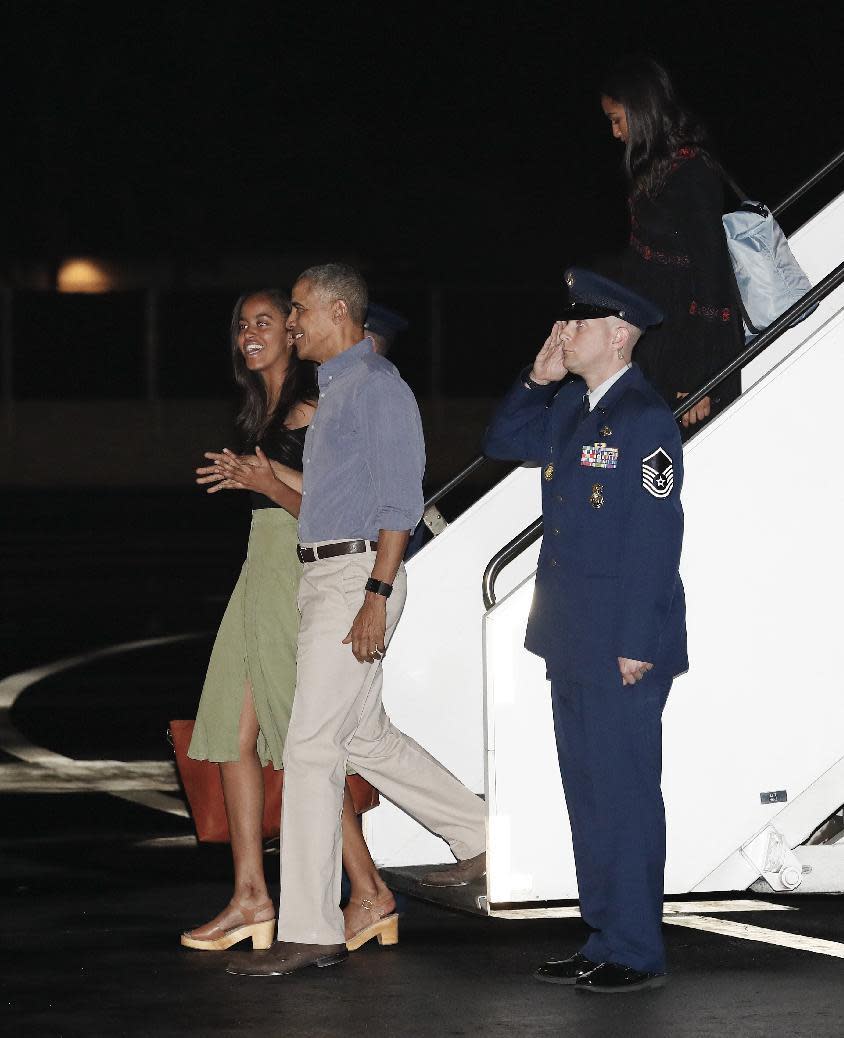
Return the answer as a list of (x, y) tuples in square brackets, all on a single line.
[(395, 450)]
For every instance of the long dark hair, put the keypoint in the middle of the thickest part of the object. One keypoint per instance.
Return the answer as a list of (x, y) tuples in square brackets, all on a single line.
[(658, 124), (299, 384)]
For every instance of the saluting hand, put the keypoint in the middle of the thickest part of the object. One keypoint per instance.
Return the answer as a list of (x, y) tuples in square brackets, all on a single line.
[(550, 363), (632, 670)]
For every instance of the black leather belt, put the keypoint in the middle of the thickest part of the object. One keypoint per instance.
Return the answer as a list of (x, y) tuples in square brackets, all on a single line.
[(331, 551)]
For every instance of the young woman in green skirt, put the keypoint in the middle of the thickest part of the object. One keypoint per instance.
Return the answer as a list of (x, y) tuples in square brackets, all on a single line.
[(244, 710)]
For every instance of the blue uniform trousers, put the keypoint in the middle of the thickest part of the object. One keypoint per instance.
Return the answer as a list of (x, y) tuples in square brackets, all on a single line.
[(609, 744)]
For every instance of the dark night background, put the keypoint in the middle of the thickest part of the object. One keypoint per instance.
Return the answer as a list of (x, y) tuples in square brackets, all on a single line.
[(459, 141)]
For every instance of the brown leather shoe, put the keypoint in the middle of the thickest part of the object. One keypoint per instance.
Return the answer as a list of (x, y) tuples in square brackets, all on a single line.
[(286, 957), (458, 875)]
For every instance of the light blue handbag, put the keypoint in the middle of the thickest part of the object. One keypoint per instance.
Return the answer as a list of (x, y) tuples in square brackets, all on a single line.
[(768, 277)]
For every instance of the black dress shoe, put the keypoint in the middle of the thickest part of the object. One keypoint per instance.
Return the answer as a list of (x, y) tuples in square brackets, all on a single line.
[(566, 971), (610, 978)]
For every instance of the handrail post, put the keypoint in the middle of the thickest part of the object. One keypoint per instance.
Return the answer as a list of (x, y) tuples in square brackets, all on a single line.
[(503, 558)]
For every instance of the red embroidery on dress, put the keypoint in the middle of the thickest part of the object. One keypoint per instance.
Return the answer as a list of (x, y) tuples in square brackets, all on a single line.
[(710, 313), (681, 155), (674, 259)]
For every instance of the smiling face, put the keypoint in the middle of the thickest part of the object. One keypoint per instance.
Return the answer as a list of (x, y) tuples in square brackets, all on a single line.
[(262, 337), (617, 116), (312, 322)]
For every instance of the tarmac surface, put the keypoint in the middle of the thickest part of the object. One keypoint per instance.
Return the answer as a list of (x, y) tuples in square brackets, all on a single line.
[(99, 870)]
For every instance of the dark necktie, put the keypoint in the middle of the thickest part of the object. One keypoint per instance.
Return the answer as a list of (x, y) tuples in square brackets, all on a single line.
[(585, 405)]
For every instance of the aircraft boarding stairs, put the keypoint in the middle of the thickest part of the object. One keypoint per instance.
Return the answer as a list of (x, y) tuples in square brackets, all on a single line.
[(753, 733)]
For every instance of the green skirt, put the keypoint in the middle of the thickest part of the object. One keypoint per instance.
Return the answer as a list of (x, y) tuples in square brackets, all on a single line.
[(256, 642)]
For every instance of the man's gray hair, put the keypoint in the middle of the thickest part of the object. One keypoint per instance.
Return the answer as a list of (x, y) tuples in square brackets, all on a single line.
[(340, 281)]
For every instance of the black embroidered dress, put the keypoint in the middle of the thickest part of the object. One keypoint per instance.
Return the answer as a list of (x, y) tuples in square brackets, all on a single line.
[(677, 257)]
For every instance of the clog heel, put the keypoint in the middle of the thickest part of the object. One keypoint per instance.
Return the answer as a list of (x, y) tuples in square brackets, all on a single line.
[(219, 938), (385, 928)]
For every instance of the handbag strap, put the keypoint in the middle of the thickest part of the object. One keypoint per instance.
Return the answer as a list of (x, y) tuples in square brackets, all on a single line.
[(744, 199), (715, 164), (737, 191)]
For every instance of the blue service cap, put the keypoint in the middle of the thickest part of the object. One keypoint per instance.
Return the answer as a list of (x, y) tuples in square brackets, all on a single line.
[(592, 295), (382, 321)]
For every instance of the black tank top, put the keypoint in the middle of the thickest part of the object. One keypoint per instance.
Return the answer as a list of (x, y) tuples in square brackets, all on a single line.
[(286, 446)]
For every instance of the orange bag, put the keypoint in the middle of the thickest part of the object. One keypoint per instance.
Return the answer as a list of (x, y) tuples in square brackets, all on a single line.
[(204, 791)]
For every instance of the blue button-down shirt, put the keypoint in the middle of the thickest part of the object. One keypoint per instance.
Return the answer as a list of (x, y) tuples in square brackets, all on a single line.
[(364, 451)]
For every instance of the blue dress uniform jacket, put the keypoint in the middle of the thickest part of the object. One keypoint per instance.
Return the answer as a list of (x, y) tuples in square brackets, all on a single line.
[(607, 582)]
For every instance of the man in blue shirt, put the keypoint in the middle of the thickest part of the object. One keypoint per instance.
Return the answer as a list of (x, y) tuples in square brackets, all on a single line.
[(608, 613), (363, 464), (383, 326)]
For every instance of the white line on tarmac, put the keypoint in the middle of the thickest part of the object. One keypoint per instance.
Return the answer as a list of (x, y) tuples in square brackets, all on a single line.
[(60, 773), (675, 909), (94, 776), (165, 842), (746, 932)]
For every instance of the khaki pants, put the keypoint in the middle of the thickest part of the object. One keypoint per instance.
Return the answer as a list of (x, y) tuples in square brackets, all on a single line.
[(338, 719)]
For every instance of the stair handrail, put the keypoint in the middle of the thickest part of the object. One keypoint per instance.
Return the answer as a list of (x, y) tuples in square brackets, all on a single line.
[(504, 556), (764, 339), (807, 185), (455, 480)]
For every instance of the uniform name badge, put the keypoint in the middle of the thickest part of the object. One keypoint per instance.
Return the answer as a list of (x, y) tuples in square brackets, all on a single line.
[(599, 456)]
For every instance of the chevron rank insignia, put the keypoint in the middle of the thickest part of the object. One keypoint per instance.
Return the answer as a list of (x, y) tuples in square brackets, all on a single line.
[(599, 456), (658, 473)]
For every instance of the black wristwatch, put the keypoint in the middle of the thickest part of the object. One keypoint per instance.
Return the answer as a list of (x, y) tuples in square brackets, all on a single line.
[(379, 587)]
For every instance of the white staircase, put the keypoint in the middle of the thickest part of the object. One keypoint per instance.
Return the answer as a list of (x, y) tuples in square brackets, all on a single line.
[(761, 711)]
